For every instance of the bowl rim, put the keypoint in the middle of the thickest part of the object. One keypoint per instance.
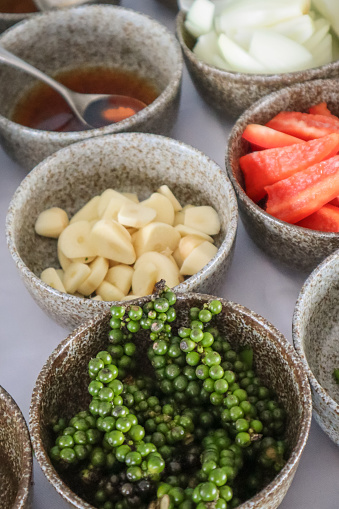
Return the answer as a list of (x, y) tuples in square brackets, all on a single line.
[(25, 481), (225, 247), (150, 111), (241, 123), (280, 342), (298, 312), (248, 78)]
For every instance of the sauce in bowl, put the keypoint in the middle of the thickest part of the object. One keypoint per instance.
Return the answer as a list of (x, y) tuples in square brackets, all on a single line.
[(17, 6), (43, 108)]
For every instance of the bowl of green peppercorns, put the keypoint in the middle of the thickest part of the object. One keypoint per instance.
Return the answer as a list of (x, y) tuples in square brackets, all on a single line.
[(173, 401)]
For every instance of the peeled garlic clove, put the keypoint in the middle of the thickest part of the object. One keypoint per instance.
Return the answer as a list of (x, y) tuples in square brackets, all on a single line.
[(88, 212), (111, 240), (165, 190), (51, 222), (204, 219), (121, 277), (109, 292), (162, 206), (135, 215), (74, 241), (198, 258), (188, 243), (187, 230), (144, 279), (75, 275), (155, 237), (99, 268), (51, 278)]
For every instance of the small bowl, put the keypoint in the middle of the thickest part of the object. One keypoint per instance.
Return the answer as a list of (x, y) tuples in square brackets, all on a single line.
[(231, 93), (127, 162), (88, 36), (275, 360), (294, 246), (8, 19), (16, 463), (315, 338)]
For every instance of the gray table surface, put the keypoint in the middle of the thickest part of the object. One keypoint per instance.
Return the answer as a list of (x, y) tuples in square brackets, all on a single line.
[(28, 336)]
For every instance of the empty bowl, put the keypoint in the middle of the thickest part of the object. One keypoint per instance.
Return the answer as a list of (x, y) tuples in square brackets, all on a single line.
[(289, 244), (132, 162), (233, 92), (86, 37), (16, 464), (315, 338), (61, 388)]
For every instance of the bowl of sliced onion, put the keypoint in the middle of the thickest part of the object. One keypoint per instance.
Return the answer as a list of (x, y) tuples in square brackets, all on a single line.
[(239, 51)]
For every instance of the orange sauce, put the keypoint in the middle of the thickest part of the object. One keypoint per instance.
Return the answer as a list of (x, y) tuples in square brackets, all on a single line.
[(17, 6), (43, 108)]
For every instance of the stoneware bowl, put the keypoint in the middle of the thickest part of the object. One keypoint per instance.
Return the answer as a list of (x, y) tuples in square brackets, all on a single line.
[(127, 162), (8, 19), (275, 361), (292, 245), (232, 93), (315, 338), (16, 462), (88, 36)]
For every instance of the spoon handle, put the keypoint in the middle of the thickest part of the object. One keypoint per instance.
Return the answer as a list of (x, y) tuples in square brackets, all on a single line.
[(11, 59)]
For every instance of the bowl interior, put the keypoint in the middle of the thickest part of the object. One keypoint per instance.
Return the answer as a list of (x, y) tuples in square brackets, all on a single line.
[(15, 454), (87, 36), (126, 162), (62, 385), (319, 325)]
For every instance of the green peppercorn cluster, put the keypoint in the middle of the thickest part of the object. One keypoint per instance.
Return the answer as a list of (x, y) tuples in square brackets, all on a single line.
[(187, 422)]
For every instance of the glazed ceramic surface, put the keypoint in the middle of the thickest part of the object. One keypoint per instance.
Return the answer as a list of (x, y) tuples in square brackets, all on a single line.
[(9, 19), (294, 246), (15, 456), (232, 93), (91, 35), (61, 388), (125, 162), (316, 339)]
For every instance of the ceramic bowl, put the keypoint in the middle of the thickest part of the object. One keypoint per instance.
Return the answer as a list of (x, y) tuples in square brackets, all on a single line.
[(315, 338), (127, 162), (291, 245), (88, 36), (275, 361), (231, 93), (16, 464), (8, 19)]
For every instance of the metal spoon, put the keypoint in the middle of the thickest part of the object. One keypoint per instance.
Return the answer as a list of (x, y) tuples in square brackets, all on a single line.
[(90, 109)]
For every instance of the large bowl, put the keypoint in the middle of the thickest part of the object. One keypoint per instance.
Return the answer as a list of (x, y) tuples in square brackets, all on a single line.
[(61, 388), (291, 245), (91, 35), (315, 338), (126, 162), (16, 464), (233, 92), (8, 19)]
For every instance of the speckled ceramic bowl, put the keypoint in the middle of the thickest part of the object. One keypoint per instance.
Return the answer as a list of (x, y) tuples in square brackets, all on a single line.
[(88, 36), (126, 162), (275, 361), (16, 464), (292, 245), (315, 338), (8, 19), (232, 93)]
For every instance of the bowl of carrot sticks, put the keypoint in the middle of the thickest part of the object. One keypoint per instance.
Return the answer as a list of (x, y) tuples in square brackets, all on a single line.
[(282, 159)]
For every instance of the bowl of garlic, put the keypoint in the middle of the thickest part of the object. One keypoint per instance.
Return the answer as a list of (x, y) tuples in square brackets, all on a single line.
[(106, 219), (237, 51)]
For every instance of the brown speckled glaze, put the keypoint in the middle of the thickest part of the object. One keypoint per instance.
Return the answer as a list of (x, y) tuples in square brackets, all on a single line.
[(15, 456), (89, 35), (232, 92), (61, 388), (316, 339), (127, 162), (292, 245), (9, 19)]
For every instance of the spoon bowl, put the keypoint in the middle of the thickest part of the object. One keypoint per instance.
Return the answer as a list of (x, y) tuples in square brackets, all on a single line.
[(93, 110)]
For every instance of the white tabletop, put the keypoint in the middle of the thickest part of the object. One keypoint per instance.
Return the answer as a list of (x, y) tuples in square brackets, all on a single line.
[(28, 336)]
